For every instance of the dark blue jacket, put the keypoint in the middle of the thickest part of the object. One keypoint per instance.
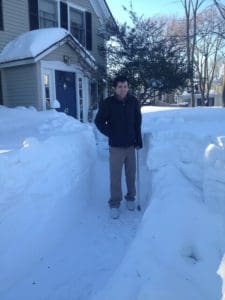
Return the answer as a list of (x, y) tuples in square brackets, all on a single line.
[(120, 120)]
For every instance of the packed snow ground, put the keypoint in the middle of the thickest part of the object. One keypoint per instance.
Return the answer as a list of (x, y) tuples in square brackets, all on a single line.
[(57, 240)]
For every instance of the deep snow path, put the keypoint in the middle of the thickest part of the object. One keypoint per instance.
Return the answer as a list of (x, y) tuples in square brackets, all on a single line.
[(89, 254)]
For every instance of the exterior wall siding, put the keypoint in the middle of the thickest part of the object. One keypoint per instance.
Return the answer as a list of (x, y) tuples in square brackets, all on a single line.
[(97, 41), (58, 54), (16, 20), (21, 87)]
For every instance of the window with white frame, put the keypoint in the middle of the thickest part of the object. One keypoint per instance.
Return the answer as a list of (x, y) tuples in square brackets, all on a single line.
[(47, 13), (81, 99), (78, 21), (77, 24), (47, 91)]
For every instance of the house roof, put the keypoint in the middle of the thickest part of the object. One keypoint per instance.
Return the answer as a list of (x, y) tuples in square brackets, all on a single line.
[(108, 9), (33, 45), (102, 10)]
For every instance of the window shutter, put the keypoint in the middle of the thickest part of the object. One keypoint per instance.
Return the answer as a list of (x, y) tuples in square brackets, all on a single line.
[(33, 14), (1, 16), (88, 19), (63, 15)]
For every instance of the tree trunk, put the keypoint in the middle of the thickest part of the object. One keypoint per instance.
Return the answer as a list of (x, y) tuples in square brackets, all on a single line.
[(223, 93)]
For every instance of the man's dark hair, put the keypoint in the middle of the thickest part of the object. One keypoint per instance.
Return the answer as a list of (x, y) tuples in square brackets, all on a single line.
[(119, 79)]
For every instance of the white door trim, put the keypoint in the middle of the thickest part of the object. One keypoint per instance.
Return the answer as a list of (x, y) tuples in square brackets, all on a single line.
[(49, 67), (51, 76)]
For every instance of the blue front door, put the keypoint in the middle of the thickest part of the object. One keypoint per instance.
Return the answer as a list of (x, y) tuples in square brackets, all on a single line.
[(66, 92)]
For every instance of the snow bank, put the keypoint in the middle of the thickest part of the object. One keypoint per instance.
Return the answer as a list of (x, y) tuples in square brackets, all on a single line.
[(214, 175), (45, 169), (180, 243), (42, 178)]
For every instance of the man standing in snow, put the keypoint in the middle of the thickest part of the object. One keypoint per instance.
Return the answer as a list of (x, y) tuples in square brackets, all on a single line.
[(119, 118)]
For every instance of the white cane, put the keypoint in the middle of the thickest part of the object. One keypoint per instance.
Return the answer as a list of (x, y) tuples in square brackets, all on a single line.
[(138, 181)]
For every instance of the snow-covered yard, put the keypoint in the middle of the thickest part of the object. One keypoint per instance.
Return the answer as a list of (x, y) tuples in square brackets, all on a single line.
[(57, 240)]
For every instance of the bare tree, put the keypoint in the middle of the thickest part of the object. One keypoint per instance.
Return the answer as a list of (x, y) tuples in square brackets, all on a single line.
[(191, 8), (208, 46), (221, 8)]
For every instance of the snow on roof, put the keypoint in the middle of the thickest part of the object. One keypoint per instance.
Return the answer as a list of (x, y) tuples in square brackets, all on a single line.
[(32, 43)]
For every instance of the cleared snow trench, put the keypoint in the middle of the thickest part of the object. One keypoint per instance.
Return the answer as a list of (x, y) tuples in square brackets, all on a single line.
[(57, 240), (73, 248)]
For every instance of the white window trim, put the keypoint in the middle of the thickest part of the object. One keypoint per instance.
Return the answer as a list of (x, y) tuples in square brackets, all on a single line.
[(57, 13), (76, 6), (86, 96), (52, 95), (77, 94), (81, 9)]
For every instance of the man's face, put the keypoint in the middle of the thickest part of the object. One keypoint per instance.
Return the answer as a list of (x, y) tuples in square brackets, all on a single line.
[(121, 89)]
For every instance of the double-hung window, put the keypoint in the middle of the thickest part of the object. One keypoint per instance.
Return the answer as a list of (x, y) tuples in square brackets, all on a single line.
[(77, 24), (54, 13), (47, 13), (42, 13)]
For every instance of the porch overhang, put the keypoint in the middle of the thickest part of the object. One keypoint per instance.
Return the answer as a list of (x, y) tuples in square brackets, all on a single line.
[(10, 58)]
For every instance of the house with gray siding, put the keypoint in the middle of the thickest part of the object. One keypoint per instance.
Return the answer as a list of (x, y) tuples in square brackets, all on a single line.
[(49, 50)]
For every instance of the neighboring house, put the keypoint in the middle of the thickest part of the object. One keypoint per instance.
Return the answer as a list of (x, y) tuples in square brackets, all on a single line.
[(49, 49)]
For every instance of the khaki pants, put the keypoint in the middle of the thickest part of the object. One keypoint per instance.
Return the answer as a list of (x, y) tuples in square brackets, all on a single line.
[(117, 158)]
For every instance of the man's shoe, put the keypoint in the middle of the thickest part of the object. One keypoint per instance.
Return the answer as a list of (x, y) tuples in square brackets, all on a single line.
[(130, 205), (114, 213)]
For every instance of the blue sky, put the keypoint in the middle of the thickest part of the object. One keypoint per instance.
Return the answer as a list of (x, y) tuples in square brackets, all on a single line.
[(145, 7)]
